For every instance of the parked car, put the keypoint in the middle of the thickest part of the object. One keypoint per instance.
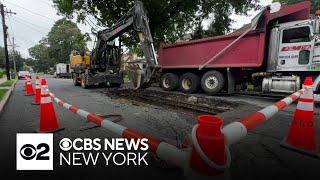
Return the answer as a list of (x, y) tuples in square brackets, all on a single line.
[(23, 74)]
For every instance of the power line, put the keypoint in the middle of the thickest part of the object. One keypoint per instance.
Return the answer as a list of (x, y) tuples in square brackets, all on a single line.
[(46, 3), (31, 11), (97, 26), (31, 23), (90, 24), (10, 24), (28, 26), (26, 40)]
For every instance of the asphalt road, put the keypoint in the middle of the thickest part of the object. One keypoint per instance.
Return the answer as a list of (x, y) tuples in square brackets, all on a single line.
[(22, 117), (258, 156)]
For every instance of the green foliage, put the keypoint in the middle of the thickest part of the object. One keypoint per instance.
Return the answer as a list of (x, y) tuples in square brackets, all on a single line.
[(41, 61), (2, 71), (19, 60), (315, 4), (8, 82), (2, 93), (169, 19), (2, 58), (17, 56), (199, 32), (64, 37)]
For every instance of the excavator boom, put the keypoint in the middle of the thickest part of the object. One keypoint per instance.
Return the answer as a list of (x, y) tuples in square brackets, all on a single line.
[(141, 71)]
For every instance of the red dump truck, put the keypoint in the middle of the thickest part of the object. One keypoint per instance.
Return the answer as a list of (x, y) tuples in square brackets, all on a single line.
[(274, 53)]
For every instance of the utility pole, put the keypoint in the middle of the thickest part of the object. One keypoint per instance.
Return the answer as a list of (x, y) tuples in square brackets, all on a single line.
[(14, 57), (4, 27)]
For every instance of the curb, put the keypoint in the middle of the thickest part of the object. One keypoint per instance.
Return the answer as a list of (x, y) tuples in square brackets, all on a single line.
[(6, 97)]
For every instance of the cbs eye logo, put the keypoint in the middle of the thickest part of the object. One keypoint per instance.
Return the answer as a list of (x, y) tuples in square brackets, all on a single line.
[(65, 144), (29, 152), (34, 151)]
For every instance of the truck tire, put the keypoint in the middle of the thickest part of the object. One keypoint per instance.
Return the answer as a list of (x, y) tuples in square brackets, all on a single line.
[(189, 83), (212, 82), (169, 82), (84, 82), (75, 80)]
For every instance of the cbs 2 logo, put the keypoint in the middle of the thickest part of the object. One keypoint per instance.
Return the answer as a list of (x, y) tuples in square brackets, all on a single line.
[(28, 151)]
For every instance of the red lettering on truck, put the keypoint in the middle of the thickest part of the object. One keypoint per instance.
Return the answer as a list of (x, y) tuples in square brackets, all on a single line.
[(296, 48)]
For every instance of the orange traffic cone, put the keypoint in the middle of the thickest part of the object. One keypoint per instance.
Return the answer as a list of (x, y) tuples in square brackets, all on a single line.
[(302, 133), (29, 88), (38, 92), (48, 119)]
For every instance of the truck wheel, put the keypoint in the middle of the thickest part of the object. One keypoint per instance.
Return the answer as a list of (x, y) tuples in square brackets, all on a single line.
[(189, 83), (83, 82), (169, 82), (212, 82), (75, 81)]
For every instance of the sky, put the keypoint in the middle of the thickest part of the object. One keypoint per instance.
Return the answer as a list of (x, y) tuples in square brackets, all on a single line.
[(34, 19)]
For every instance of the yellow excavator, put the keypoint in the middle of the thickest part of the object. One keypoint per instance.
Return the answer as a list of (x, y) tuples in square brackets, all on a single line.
[(79, 62), (102, 65)]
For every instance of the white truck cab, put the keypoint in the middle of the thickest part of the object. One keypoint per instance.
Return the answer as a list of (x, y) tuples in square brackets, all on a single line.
[(294, 53)]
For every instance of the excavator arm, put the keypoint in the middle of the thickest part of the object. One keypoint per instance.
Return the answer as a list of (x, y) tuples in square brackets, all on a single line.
[(141, 71)]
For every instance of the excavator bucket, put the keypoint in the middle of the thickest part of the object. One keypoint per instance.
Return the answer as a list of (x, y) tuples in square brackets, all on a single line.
[(136, 73)]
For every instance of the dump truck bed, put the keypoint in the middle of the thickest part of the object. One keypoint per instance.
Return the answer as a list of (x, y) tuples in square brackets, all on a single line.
[(249, 51)]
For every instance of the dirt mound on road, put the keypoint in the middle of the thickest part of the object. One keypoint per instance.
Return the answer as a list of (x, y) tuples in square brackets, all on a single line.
[(201, 103)]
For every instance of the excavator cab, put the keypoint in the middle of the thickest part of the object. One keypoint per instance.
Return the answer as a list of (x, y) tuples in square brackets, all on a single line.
[(106, 56)]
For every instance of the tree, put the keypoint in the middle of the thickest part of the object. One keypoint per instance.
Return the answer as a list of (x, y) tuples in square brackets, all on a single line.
[(2, 58), (19, 60), (17, 56), (199, 32), (169, 19), (221, 24), (64, 37), (31, 62), (41, 57), (315, 4)]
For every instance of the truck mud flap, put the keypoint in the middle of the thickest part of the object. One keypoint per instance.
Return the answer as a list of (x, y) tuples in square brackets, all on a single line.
[(231, 82)]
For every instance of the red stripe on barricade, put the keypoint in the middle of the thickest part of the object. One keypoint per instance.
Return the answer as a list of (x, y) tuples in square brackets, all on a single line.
[(253, 120), (306, 100), (293, 97), (280, 105), (61, 103), (153, 143), (45, 95), (73, 109), (131, 134), (96, 119)]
